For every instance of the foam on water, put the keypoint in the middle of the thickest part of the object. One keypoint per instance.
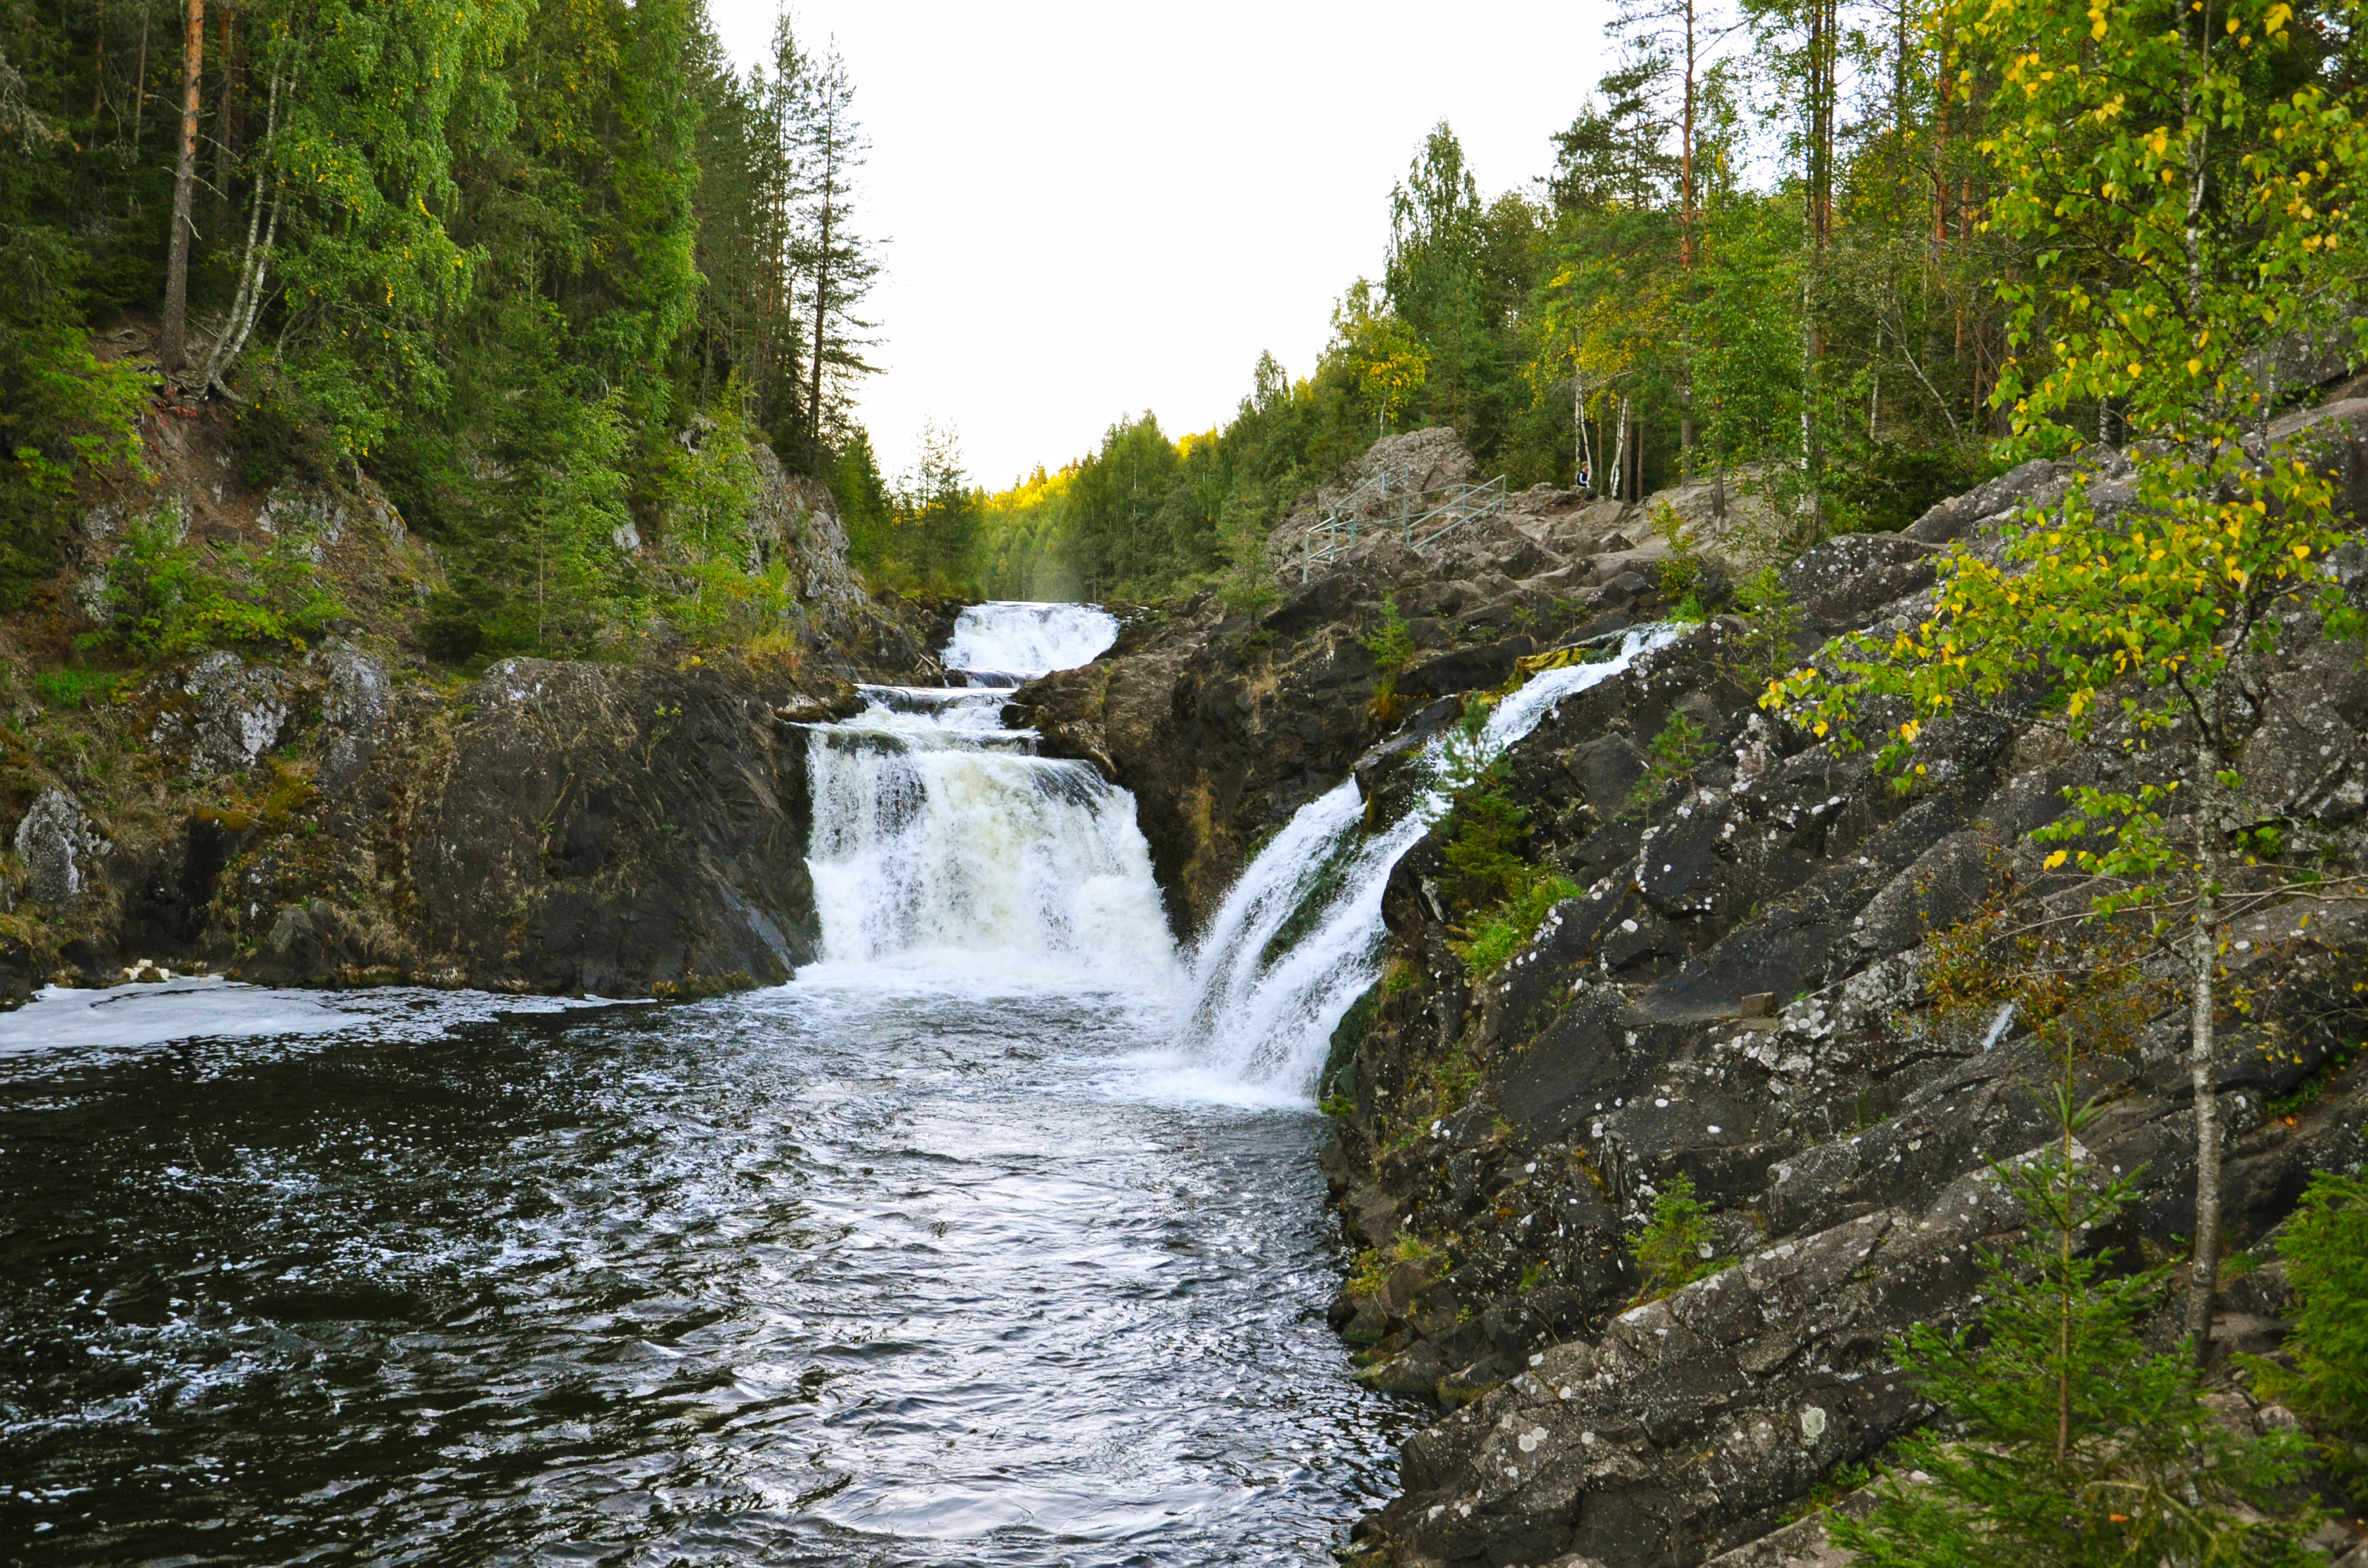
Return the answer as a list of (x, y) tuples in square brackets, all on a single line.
[(1298, 939), (198, 1007)]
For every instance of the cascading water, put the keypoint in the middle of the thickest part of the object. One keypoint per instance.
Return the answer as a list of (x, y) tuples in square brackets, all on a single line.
[(942, 843), (912, 1260), (1264, 1005), (1006, 642)]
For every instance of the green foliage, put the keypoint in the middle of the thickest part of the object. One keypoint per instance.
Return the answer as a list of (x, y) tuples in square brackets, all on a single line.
[(2074, 1444), (1674, 1248), (1485, 826), (63, 411), (2324, 1249), (1766, 656), (1679, 571), (73, 688), (1453, 1080), (1674, 753), (1506, 928), (1389, 643), (510, 259), (167, 595)]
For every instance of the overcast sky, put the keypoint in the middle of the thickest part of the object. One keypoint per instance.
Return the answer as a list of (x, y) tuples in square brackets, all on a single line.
[(1092, 210)]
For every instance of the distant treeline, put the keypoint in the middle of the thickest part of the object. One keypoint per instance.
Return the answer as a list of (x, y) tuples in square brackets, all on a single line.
[(1758, 253)]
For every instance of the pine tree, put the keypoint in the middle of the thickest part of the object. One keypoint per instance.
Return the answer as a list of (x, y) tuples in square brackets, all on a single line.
[(834, 263)]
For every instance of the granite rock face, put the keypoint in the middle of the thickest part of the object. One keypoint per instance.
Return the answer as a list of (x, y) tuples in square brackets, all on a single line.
[(1740, 994), (605, 830), (59, 847)]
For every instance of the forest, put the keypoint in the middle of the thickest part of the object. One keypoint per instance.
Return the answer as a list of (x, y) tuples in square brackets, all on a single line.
[(537, 269), (1764, 252), (541, 271)]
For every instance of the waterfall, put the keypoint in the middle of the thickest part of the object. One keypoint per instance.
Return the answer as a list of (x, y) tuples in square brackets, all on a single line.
[(942, 845), (1007, 641), (944, 848), (1298, 937)]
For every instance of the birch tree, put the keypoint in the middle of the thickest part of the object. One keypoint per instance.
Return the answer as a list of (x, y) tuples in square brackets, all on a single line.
[(2196, 150)]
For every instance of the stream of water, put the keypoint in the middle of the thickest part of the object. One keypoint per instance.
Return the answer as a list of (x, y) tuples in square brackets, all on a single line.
[(996, 1238)]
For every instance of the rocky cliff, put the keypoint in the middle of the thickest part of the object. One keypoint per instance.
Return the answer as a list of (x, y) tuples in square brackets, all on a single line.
[(1223, 721), (353, 812), (1745, 994)]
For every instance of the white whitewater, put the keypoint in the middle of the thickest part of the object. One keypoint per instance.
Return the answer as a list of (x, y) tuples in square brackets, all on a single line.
[(1008, 640), (944, 848), (1260, 1016)]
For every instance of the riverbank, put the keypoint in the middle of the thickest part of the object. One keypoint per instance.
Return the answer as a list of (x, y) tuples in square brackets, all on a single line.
[(1747, 989)]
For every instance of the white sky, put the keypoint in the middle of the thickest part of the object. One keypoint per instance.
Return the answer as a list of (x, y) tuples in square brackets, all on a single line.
[(1097, 208)]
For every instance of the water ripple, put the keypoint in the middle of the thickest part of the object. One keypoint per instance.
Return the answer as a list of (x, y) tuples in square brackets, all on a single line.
[(813, 1276)]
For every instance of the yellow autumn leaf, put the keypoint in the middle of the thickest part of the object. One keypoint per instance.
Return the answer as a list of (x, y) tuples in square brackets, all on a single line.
[(2057, 859)]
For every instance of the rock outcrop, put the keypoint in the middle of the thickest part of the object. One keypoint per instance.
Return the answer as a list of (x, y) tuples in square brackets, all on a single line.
[(1741, 995), (1225, 720), (345, 813)]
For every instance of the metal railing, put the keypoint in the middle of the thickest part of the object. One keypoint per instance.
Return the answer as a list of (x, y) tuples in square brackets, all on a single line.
[(1420, 517)]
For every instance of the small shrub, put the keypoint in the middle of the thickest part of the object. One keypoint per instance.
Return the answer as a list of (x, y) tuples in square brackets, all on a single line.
[(167, 599), (1248, 587), (1410, 1248), (2073, 1444), (1390, 644), (1507, 928), (1455, 1079), (2326, 1253), (1766, 655), (1680, 573), (291, 791), (1672, 753), (1674, 1248), (1533, 1275)]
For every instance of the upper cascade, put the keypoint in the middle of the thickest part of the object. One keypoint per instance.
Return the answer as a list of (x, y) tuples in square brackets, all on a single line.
[(1006, 642), (942, 845)]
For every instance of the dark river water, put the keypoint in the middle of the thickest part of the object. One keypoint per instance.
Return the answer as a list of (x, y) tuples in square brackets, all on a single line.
[(864, 1274)]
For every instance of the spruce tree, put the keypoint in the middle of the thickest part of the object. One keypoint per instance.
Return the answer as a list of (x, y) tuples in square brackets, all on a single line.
[(2066, 1443)]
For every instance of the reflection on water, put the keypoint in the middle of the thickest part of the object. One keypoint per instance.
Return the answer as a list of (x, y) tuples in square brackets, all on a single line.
[(810, 1276)]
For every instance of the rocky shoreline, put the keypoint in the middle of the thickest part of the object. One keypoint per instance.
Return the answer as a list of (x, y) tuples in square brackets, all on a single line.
[(1739, 997)]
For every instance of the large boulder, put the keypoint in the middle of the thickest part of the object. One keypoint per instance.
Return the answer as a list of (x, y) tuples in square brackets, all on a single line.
[(609, 830), (234, 712), (60, 848)]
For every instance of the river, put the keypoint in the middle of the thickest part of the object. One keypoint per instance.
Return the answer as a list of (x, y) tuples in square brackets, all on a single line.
[(994, 1238)]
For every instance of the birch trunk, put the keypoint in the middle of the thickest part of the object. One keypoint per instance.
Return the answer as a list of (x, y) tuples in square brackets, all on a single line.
[(2203, 1277)]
